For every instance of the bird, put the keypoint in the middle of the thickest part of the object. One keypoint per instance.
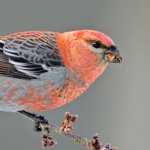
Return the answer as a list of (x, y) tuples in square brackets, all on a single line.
[(44, 70)]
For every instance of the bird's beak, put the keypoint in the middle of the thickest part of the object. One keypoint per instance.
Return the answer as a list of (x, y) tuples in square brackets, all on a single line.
[(112, 56)]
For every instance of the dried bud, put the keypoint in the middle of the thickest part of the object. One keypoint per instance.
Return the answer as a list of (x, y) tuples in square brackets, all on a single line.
[(95, 142), (67, 125)]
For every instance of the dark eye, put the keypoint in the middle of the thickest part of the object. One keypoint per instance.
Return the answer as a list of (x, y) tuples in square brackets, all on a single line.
[(113, 47), (96, 44)]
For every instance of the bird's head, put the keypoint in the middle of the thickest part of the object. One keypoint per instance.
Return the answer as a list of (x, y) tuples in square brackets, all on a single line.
[(100, 44), (86, 50)]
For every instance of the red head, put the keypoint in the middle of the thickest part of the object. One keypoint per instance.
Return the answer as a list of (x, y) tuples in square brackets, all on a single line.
[(87, 52)]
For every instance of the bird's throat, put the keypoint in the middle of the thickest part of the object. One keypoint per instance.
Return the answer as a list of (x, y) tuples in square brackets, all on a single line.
[(89, 75)]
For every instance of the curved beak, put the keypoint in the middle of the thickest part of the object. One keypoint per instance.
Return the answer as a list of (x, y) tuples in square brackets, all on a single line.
[(113, 55)]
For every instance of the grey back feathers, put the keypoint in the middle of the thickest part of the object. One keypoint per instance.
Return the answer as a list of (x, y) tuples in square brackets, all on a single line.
[(32, 55)]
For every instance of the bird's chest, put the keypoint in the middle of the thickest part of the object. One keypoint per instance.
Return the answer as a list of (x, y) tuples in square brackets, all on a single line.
[(69, 92), (55, 97), (37, 96)]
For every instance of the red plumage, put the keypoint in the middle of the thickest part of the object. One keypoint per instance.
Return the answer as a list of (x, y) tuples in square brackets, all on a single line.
[(42, 70)]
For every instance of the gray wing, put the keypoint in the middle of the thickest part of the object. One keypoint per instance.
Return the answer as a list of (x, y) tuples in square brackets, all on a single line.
[(27, 55)]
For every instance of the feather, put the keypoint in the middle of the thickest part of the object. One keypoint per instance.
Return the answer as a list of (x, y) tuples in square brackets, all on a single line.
[(24, 54)]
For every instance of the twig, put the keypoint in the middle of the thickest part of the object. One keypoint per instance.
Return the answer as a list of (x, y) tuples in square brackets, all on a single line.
[(65, 129)]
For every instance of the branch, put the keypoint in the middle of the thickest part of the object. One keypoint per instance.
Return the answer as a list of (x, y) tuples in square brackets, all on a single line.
[(66, 128)]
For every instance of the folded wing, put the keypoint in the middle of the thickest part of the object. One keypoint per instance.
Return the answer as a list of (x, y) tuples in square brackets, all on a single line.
[(27, 55)]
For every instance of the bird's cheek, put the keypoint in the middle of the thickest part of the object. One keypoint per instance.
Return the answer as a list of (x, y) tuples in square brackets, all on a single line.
[(101, 58), (85, 58)]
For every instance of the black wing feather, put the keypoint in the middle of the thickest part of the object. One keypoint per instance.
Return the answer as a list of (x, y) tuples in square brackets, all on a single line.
[(9, 70)]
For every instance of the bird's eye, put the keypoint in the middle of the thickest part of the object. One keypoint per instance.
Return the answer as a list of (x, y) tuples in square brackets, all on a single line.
[(113, 47), (96, 44)]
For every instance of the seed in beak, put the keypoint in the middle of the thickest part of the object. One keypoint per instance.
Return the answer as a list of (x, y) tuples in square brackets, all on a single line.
[(110, 57)]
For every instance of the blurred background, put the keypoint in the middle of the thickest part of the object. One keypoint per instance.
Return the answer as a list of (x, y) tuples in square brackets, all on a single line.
[(117, 104)]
